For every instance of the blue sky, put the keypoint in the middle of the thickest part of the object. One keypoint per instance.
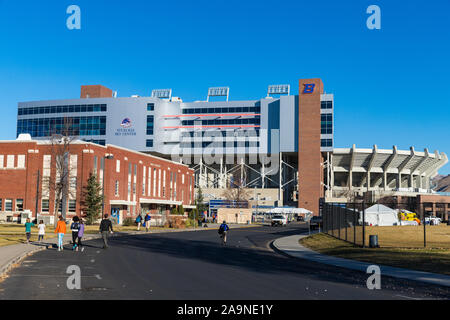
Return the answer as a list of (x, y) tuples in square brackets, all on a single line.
[(391, 85)]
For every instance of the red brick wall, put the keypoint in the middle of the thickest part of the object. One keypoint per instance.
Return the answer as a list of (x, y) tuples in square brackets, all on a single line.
[(21, 183), (310, 171), (95, 91)]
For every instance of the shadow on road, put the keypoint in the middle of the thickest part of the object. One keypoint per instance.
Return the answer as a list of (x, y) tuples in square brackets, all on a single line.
[(262, 261)]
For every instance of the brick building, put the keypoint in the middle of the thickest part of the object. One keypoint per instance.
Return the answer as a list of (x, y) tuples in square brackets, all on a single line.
[(133, 182)]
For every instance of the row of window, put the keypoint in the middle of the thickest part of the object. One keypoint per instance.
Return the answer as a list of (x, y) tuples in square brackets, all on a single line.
[(76, 126), (326, 143), (229, 144), (150, 123), (9, 205), (326, 105), (221, 110), (72, 205), (100, 142), (252, 121), (253, 132), (62, 109)]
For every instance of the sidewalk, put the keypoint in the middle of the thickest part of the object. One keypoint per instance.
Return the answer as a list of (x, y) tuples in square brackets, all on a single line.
[(13, 254), (291, 246)]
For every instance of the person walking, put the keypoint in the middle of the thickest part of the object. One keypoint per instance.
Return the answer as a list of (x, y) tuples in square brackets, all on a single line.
[(80, 235), (60, 230), (41, 232), (147, 221), (75, 227), (28, 226), (105, 228), (223, 231), (139, 221)]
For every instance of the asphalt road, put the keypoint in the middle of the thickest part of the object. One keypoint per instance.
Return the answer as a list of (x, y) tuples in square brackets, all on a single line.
[(193, 265)]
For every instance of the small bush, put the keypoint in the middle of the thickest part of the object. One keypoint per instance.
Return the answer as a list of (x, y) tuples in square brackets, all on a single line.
[(128, 222)]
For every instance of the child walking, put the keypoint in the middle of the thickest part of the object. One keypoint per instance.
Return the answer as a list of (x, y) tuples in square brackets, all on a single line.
[(80, 235), (28, 226), (60, 230), (41, 232), (75, 227)]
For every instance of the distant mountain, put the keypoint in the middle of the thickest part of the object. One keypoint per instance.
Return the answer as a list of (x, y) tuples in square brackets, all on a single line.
[(442, 183)]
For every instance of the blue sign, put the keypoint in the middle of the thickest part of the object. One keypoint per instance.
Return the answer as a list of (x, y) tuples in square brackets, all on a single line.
[(309, 87)]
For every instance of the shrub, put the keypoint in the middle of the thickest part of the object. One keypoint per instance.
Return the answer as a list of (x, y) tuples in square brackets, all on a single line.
[(128, 222)]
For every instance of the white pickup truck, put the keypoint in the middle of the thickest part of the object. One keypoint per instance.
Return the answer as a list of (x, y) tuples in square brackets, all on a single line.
[(279, 220)]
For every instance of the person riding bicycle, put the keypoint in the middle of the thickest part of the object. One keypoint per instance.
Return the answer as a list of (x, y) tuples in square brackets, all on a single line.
[(223, 230)]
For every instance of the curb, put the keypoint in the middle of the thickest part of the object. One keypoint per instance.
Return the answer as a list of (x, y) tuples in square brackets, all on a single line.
[(293, 248), (8, 266)]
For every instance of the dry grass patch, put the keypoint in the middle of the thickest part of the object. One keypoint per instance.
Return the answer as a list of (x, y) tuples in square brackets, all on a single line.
[(401, 236), (430, 260)]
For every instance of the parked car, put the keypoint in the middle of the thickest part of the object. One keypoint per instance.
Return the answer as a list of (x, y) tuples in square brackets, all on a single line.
[(279, 220), (315, 222)]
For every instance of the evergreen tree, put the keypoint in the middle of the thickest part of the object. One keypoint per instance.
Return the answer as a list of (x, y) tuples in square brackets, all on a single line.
[(93, 199), (199, 201)]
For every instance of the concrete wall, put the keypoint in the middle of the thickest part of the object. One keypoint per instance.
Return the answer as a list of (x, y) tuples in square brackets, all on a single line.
[(242, 216)]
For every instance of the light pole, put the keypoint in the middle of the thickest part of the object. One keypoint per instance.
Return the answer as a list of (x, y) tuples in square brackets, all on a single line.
[(106, 157)]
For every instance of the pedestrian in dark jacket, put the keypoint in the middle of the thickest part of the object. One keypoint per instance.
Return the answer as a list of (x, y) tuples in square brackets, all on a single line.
[(105, 228), (80, 235), (75, 227), (147, 221)]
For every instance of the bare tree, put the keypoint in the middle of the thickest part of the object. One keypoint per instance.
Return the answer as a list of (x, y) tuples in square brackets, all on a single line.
[(61, 183), (236, 188)]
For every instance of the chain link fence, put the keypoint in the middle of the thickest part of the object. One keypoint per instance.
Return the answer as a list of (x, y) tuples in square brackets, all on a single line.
[(395, 225)]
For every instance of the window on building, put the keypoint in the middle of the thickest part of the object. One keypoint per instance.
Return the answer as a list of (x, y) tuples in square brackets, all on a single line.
[(1, 204), (95, 164), (149, 143), (116, 188), (150, 106), (21, 161), (72, 205), (8, 204), (10, 161), (45, 205), (326, 143), (150, 122), (19, 205), (117, 165)]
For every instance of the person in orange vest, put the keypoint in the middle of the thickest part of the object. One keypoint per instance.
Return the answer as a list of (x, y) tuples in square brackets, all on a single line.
[(60, 230)]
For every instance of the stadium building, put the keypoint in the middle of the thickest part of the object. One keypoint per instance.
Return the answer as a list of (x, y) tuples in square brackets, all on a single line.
[(280, 147)]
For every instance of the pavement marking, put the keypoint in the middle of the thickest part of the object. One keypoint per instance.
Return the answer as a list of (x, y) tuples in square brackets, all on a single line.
[(98, 277), (92, 260), (406, 297)]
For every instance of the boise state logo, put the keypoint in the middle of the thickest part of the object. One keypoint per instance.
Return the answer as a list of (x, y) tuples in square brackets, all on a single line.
[(126, 123)]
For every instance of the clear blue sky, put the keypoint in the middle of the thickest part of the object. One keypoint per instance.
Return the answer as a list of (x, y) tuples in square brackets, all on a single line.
[(391, 85)]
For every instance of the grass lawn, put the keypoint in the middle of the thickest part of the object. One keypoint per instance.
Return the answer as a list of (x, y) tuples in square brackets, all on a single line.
[(431, 260), (15, 233), (402, 236)]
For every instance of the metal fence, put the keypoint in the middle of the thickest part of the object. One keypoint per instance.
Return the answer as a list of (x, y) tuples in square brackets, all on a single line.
[(356, 222)]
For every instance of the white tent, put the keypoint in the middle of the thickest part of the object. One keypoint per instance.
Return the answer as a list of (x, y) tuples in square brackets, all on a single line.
[(380, 215)]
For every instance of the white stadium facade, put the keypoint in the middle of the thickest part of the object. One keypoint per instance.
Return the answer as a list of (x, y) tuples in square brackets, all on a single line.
[(355, 172)]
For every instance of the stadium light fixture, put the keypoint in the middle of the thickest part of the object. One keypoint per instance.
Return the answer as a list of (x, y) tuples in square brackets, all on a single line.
[(218, 92), (162, 93), (278, 89)]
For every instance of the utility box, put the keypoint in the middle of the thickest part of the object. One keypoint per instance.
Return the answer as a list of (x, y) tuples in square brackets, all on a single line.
[(373, 241)]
